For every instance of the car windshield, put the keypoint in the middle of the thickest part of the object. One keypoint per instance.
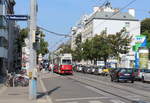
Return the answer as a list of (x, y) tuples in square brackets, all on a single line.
[(129, 70), (126, 70), (66, 62)]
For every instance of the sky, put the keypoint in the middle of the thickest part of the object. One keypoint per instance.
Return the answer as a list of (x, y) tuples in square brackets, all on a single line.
[(60, 15)]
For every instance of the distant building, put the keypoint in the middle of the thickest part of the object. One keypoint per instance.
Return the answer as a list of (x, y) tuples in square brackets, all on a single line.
[(110, 20)]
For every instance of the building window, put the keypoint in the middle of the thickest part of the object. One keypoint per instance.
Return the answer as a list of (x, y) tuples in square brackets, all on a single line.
[(127, 24), (3, 42), (2, 22), (124, 16), (1, 1)]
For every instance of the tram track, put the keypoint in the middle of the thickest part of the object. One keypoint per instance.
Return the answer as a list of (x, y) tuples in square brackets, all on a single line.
[(82, 80), (137, 85)]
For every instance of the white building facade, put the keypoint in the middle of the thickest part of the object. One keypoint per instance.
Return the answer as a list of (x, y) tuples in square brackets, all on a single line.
[(112, 21)]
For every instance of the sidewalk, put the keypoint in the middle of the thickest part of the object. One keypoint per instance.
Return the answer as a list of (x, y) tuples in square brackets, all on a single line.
[(20, 94)]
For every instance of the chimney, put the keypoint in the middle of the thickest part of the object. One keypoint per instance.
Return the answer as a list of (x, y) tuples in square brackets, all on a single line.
[(95, 9), (132, 12)]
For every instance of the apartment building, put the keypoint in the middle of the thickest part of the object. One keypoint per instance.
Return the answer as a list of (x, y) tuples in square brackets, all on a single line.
[(110, 20), (9, 31)]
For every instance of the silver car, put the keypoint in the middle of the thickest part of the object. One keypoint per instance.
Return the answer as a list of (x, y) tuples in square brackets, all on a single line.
[(146, 75)]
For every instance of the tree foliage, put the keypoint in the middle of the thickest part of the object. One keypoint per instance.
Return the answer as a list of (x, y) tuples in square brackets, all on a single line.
[(77, 53), (65, 48), (43, 44), (145, 25), (43, 47), (145, 29), (103, 46)]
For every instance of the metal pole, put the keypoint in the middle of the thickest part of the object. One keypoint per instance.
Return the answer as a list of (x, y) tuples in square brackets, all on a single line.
[(32, 61)]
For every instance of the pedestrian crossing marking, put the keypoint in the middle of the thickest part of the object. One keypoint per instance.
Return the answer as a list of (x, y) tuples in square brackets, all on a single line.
[(117, 101), (95, 102)]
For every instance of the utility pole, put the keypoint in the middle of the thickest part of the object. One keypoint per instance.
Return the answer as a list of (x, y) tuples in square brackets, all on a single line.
[(32, 58)]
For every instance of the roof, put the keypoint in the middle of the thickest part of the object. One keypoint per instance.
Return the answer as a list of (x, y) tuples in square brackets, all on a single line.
[(112, 16)]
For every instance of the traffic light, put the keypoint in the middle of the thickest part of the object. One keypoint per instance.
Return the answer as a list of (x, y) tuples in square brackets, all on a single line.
[(37, 36), (36, 44)]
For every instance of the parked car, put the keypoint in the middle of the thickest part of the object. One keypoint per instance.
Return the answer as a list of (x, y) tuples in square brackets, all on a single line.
[(79, 68), (85, 69), (105, 71), (98, 71), (88, 70), (93, 69), (146, 75), (122, 74), (139, 73)]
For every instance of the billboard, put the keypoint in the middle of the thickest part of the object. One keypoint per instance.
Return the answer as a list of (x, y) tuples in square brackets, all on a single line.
[(140, 54), (143, 58)]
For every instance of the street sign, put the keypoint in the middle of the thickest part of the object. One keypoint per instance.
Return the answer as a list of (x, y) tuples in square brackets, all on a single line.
[(140, 41)]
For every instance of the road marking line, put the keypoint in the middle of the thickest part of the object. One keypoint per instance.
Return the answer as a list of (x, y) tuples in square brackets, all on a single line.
[(86, 98), (117, 101), (71, 102), (95, 102), (49, 100)]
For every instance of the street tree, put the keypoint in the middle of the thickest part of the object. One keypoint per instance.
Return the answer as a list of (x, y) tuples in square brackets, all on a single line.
[(145, 25), (119, 43), (20, 41), (87, 50), (43, 45), (103, 46), (77, 53), (65, 48), (145, 30)]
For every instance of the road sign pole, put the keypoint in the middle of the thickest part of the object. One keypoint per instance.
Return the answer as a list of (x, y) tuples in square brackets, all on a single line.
[(32, 61)]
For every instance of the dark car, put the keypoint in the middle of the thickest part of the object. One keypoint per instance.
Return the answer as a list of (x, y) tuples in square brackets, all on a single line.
[(122, 74)]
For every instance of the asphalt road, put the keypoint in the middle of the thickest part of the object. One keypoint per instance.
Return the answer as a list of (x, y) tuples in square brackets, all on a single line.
[(87, 88)]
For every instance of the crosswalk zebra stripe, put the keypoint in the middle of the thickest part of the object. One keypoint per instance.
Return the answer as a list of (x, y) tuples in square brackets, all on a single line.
[(117, 101), (95, 102)]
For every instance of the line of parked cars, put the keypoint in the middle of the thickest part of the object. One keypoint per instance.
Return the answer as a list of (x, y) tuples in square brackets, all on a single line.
[(130, 74), (117, 74), (98, 70)]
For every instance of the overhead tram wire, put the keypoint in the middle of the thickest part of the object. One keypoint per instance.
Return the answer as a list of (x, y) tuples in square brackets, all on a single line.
[(118, 11), (61, 40), (58, 34)]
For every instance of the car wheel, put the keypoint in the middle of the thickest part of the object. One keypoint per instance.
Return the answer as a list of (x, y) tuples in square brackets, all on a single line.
[(112, 79), (118, 80), (132, 81)]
